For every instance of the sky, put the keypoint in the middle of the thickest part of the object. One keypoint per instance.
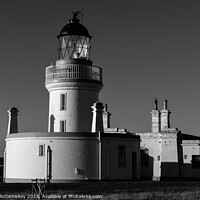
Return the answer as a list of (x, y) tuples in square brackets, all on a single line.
[(147, 49)]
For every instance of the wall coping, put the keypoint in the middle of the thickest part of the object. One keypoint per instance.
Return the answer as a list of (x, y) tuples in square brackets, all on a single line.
[(28, 135)]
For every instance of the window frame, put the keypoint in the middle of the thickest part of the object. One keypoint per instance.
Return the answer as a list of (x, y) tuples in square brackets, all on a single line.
[(195, 161), (62, 125), (63, 101), (122, 156), (41, 152)]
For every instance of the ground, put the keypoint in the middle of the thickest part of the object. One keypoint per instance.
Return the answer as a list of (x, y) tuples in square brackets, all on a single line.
[(147, 190)]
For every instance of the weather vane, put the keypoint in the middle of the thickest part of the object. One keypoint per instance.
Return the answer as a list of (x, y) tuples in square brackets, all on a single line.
[(75, 14)]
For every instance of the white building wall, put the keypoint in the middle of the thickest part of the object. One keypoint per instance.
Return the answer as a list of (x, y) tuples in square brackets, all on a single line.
[(78, 113), (152, 142), (189, 148), (20, 156), (72, 159), (170, 157)]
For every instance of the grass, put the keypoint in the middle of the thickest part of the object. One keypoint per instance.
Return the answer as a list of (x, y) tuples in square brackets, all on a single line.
[(141, 190)]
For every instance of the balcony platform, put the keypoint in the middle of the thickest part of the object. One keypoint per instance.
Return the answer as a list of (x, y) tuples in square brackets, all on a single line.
[(70, 72)]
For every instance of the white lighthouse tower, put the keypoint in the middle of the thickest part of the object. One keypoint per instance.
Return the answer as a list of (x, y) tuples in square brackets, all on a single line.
[(79, 144), (73, 82)]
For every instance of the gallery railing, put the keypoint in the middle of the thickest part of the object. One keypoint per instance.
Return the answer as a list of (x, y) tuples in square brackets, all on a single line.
[(73, 71)]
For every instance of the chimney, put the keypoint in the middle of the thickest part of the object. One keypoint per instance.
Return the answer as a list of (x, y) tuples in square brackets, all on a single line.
[(106, 117), (165, 104), (155, 104), (155, 117), (165, 117), (97, 121), (12, 121)]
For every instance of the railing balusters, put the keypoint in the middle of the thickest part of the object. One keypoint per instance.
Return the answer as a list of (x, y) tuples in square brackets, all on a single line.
[(71, 72)]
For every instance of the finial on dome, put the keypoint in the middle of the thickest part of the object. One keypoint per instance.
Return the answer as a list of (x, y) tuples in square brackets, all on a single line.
[(75, 19)]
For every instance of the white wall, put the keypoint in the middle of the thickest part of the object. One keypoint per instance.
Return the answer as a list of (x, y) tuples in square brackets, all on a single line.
[(163, 155), (78, 114), (170, 158), (152, 142), (23, 160), (73, 157), (190, 148)]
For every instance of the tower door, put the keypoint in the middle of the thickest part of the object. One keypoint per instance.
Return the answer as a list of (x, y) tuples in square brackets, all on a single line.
[(134, 165), (49, 163)]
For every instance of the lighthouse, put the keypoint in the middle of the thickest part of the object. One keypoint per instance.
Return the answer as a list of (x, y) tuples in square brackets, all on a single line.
[(79, 145), (73, 82)]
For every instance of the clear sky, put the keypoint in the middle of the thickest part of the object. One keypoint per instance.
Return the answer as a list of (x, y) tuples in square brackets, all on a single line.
[(147, 49)]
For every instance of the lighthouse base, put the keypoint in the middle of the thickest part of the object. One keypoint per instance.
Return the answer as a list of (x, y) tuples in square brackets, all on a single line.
[(65, 157)]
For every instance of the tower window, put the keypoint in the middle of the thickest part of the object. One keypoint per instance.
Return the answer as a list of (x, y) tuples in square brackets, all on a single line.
[(185, 157), (63, 101), (158, 158), (62, 126), (41, 149), (122, 156)]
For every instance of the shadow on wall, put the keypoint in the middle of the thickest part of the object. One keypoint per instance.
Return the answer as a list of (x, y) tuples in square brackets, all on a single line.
[(190, 171), (81, 172), (182, 171), (170, 170), (1, 168), (185, 168), (52, 121), (147, 163)]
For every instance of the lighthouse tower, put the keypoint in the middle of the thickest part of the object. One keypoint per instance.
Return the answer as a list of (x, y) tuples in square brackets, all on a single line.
[(79, 144), (73, 82)]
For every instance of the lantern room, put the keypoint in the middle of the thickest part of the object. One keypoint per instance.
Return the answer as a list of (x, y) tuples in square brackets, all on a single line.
[(74, 40)]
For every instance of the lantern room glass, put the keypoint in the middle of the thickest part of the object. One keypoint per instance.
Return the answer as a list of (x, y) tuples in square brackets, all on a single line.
[(74, 47)]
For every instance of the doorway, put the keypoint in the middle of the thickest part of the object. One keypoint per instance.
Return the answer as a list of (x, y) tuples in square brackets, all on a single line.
[(134, 165), (49, 164)]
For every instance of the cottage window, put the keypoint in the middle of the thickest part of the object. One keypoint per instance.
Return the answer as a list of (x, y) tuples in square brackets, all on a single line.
[(195, 161), (122, 156)]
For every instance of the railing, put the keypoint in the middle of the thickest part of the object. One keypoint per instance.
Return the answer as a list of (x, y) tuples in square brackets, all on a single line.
[(73, 71)]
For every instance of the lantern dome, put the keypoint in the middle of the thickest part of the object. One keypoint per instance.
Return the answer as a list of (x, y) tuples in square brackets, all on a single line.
[(74, 40), (74, 28)]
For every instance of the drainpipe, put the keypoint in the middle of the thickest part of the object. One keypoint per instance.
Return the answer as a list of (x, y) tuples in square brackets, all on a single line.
[(4, 166), (99, 138)]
